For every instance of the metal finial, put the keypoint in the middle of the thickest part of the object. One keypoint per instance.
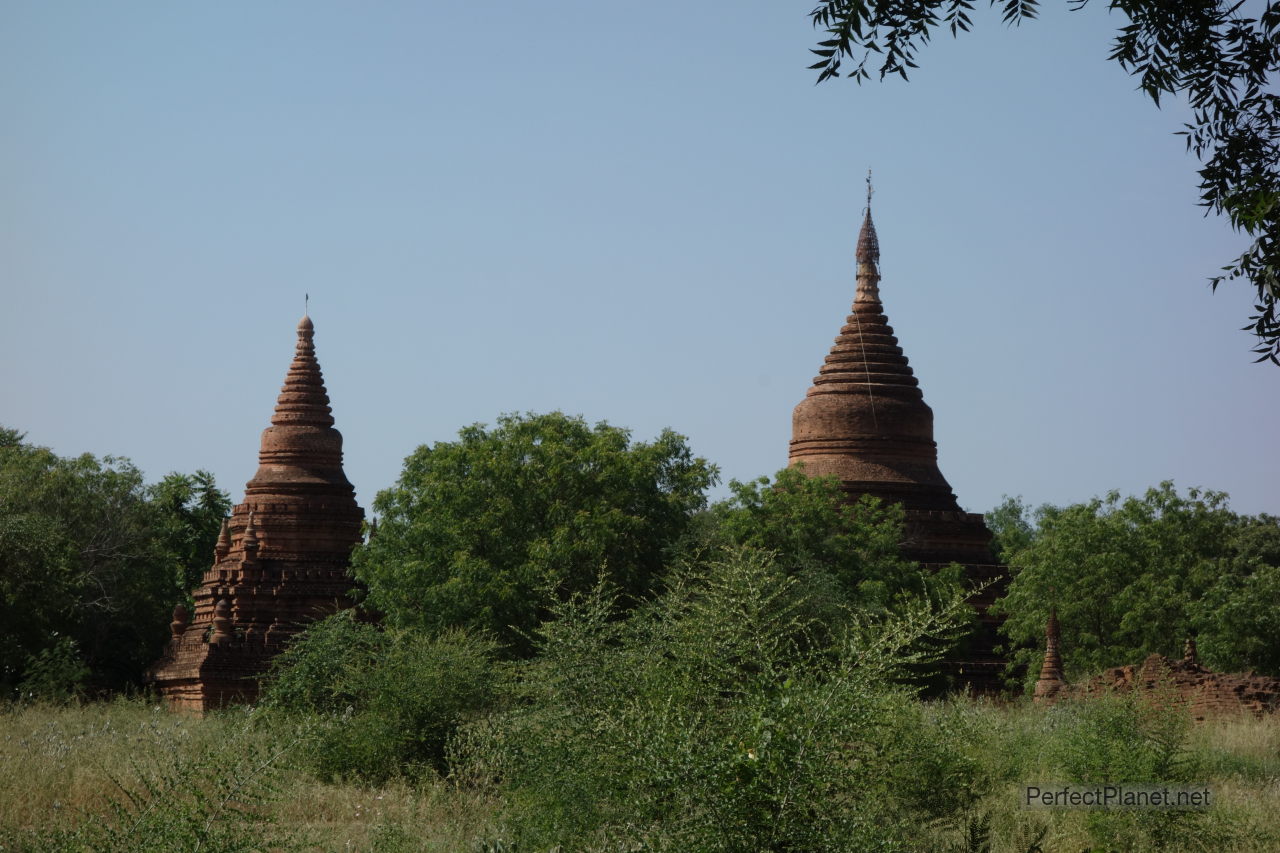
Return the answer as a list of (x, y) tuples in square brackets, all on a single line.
[(870, 191), (306, 301)]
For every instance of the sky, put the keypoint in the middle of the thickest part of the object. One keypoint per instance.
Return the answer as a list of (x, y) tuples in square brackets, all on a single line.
[(639, 213)]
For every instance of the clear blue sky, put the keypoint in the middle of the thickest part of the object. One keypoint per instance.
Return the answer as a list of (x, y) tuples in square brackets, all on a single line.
[(643, 213)]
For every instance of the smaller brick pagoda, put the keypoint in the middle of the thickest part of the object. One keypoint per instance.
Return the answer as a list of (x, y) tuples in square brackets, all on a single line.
[(1050, 683), (282, 558)]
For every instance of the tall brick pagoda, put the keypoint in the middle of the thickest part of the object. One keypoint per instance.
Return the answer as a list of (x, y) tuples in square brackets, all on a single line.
[(865, 421), (281, 559)]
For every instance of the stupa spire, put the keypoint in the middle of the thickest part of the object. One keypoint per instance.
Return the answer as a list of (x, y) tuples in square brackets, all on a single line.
[(866, 356), (303, 399), (864, 418), (223, 545), (249, 542), (301, 449), (868, 257)]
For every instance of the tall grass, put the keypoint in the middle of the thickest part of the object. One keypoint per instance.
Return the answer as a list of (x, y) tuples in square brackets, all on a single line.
[(1117, 739), (128, 775)]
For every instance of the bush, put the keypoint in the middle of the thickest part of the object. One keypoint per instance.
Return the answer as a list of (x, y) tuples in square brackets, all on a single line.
[(713, 719), (1122, 738), (54, 674), (385, 701), (843, 556)]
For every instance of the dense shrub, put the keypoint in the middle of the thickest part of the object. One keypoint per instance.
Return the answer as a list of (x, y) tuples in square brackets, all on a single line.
[(1127, 740), (55, 673), (383, 702), (714, 719), (842, 556)]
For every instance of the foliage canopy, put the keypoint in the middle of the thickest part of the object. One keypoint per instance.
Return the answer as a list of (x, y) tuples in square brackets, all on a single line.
[(1138, 576), (91, 563), (817, 536), (486, 531)]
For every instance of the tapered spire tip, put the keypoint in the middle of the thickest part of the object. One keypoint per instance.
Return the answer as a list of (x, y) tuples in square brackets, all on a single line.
[(868, 242)]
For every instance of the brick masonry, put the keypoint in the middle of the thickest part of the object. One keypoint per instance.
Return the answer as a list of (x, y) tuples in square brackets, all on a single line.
[(282, 558)]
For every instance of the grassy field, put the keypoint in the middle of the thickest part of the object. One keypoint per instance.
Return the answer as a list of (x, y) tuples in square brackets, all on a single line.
[(69, 778), (1236, 758), (128, 775)]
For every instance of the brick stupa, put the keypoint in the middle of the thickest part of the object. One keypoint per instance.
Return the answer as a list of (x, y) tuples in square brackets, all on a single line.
[(282, 558), (1050, 683), (865, 421)]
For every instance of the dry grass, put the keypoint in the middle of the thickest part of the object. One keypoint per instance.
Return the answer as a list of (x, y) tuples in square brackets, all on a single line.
[(392, 817), (57, 763), (1240, 746), (1237, 758), (63, 765)]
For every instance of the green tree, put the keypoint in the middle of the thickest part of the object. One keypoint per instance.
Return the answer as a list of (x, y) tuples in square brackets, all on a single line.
[(1222, 56), (1010, 525), (816, 535), (87, 568), (487, 531), (1240, 623), (1138, 576), (190, 508)]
